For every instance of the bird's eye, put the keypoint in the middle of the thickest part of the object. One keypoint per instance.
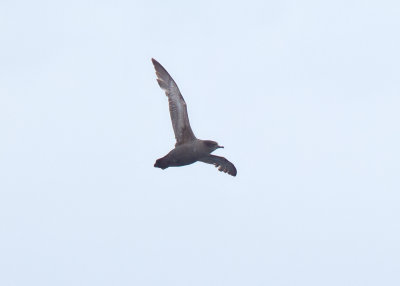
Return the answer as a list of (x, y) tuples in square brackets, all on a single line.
[(210, 144)]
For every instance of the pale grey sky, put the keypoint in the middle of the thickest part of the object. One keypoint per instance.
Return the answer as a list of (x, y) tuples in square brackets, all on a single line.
[(304, 95)]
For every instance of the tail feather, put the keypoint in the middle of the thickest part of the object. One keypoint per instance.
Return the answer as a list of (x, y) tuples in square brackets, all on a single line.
[(162, 163)]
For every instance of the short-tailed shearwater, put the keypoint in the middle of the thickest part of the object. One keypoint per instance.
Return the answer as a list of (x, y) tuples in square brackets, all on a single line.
[(188, 149)]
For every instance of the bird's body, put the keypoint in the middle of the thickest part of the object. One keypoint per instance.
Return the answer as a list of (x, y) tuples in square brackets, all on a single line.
[(188, 149), (185, 154)]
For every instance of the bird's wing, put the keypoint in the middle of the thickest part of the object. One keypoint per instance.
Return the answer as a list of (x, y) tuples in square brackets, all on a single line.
[(177, 105), (223, 164)]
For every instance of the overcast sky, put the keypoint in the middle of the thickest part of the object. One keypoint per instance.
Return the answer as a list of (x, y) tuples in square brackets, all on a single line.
[(304, 95)]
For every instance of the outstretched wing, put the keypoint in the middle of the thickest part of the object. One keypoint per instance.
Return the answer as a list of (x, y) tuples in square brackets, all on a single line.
[(223, 164), (177, 105)]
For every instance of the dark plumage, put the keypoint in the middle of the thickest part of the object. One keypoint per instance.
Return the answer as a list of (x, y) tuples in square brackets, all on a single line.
[(188, 149)]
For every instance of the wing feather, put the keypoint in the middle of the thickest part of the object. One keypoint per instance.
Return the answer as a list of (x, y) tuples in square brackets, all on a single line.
[(177, 105), (221, 163)]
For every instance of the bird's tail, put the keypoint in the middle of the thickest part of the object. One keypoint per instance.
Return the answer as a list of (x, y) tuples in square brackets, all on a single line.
[(162, 163)]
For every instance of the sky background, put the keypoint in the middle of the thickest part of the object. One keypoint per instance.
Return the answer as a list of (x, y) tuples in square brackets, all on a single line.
[(304, 95)]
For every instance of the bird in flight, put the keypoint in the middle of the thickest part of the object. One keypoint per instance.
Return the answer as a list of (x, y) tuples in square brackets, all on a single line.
[(188, 149)]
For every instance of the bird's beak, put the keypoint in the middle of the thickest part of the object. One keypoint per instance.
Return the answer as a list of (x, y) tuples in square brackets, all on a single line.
[(220, 146)]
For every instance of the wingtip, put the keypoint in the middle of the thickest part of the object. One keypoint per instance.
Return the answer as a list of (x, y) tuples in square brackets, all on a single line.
[(157, 65), (234, 171)]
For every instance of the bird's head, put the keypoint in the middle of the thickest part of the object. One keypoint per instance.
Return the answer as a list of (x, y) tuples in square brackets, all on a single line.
[(212, 145)]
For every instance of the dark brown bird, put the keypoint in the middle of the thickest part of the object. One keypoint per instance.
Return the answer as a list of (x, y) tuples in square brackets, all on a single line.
[(188, 149)]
